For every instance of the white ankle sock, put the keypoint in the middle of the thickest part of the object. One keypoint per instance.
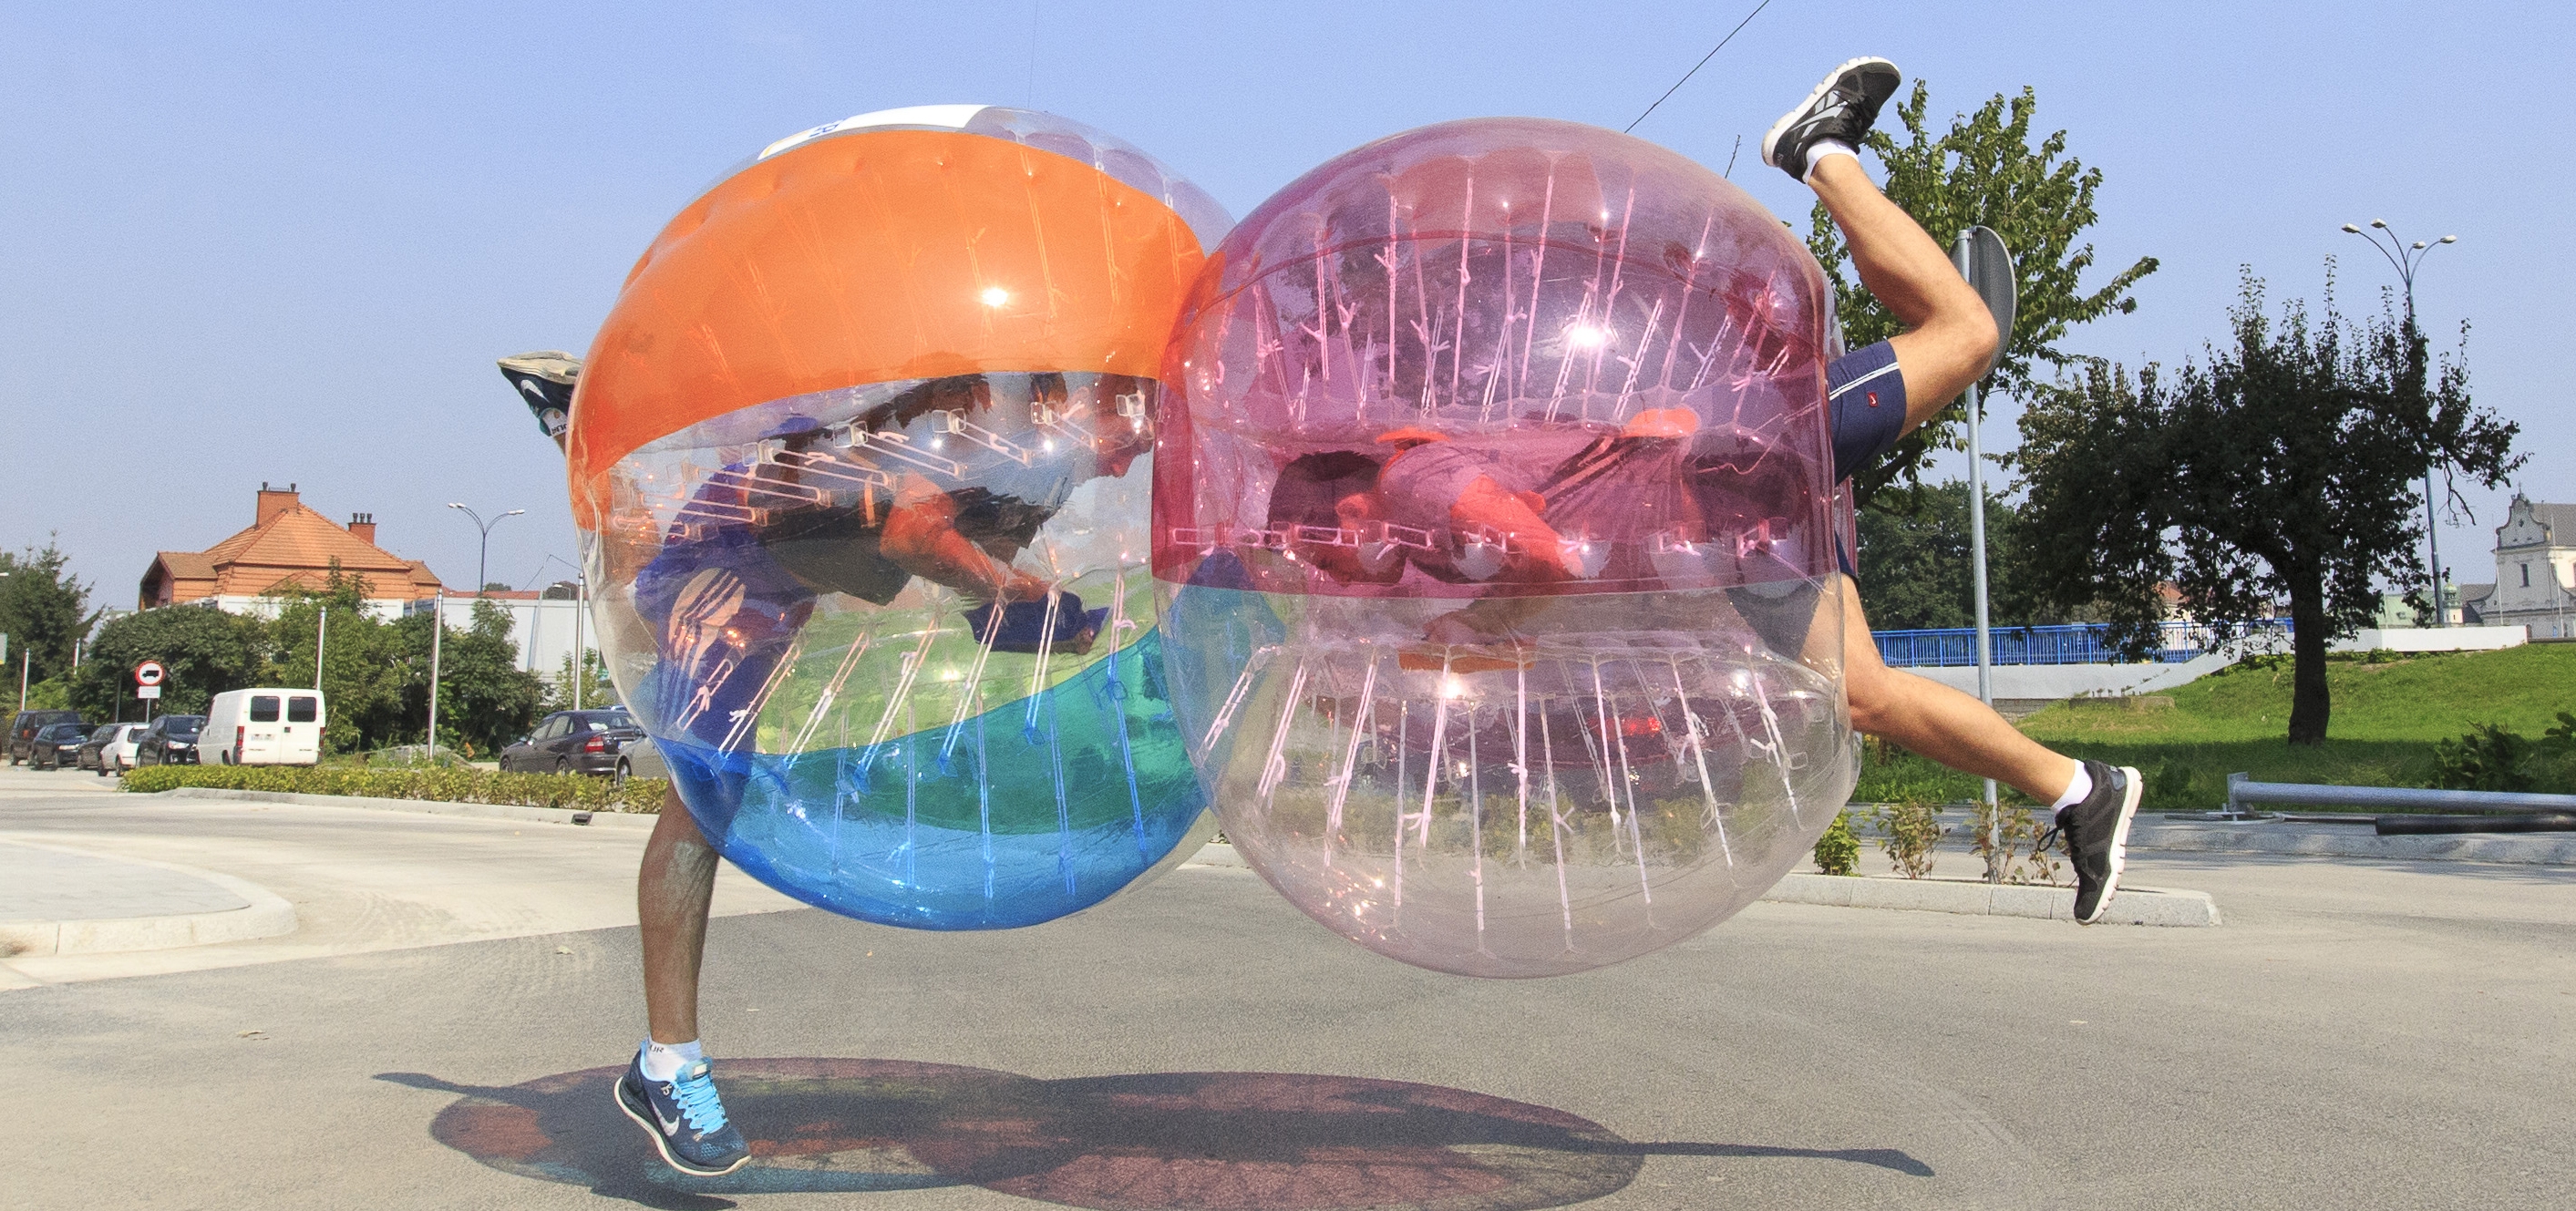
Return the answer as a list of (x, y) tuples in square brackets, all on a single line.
[(1821, 148), (2076, 788), (662, 1061)]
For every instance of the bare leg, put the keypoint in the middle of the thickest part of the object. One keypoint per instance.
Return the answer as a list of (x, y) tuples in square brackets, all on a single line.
[(672, 892), (1941, 723), (1950, 335)]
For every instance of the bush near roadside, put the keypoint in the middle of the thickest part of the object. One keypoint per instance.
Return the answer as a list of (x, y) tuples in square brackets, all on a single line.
[(447, 785)]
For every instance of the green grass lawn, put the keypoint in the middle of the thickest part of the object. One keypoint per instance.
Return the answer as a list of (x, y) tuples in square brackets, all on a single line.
[(2387, 715)]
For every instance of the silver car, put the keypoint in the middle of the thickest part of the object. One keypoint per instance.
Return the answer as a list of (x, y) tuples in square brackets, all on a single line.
[(639, 759)]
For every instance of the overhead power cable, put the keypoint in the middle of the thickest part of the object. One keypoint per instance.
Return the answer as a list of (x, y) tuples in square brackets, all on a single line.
[(1703, 62)]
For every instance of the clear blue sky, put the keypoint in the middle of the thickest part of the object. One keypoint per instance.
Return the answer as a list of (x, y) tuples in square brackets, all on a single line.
[(285, 242)]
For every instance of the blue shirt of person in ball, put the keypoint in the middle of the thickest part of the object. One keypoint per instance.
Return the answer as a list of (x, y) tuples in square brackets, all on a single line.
[(940, 482)]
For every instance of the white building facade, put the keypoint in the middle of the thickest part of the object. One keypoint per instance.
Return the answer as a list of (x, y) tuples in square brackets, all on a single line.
[(544, 627), (2535, 582)]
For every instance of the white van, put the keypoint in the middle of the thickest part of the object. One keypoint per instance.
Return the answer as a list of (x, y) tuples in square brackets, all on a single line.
[(262, 727)]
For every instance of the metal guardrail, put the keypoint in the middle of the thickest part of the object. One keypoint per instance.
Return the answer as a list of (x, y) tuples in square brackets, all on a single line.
[(2242, 790), (2075, 643)]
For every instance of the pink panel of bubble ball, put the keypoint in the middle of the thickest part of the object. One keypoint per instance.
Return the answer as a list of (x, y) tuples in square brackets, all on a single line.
[(1495, 517)]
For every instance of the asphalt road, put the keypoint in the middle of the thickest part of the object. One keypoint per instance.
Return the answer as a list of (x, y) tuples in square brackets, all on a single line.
[(2356, 1035)]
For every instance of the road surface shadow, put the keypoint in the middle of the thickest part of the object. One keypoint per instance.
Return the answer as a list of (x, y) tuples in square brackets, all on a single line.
[(1200, 1141)]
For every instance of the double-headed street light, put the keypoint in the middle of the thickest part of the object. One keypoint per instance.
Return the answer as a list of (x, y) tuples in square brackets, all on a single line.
[(484, 550), (2404, 258)]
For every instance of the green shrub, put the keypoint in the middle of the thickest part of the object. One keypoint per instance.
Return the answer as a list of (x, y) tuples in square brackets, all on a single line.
[(2488, 758), (446, 784), (2177, 786), (1838, 851), (1908, 833)]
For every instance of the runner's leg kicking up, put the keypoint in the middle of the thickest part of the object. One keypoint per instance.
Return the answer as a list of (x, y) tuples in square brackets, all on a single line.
[(1879, 394)]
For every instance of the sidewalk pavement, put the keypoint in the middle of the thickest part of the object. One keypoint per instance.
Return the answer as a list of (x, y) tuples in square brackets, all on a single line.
[(60, 901), (355, 880)]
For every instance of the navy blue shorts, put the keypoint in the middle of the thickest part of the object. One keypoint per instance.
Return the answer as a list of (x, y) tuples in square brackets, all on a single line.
[(1866, 394)]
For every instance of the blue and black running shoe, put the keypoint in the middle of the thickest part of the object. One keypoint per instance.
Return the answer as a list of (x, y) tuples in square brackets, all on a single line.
[(685, 1117)]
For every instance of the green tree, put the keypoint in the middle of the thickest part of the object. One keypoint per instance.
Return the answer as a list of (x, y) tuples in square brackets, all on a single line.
[(597, 692), (44, 611), (1984, 171), (366, 664), (206, 651), (1914, 553), (2280, 469), (485, 699)]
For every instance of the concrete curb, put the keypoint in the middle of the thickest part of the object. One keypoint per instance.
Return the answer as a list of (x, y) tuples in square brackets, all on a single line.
[(2349, 841), (2132, 906), (263, 915), (424, 807)]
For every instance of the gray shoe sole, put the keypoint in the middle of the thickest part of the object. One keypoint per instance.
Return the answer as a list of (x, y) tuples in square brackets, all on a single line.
[(2132, 787)]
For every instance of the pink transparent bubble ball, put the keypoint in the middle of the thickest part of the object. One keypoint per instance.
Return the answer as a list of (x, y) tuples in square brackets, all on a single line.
[(1495, 525)]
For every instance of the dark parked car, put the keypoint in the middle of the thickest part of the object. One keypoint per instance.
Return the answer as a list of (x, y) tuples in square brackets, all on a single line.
[(96, 753), (169, 740), (574, 742), (23, 729), (56, 745)]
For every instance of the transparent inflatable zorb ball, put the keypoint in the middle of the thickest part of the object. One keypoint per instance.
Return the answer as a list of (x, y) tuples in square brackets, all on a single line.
[(861, 460), (1494, 518)]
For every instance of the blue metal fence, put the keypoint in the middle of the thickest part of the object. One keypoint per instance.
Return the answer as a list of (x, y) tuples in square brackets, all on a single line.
[(2079, 643)]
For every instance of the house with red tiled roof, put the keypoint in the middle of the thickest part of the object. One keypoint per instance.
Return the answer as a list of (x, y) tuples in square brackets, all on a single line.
[(288, 546)]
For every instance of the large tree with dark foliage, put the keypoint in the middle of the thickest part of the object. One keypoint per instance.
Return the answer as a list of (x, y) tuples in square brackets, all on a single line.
[(1984, 171), (44, 611), (2281, 469), (1915, 545), (205, 650)]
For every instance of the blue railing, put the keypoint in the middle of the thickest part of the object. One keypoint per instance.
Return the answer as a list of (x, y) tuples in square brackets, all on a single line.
[(2081, 643)]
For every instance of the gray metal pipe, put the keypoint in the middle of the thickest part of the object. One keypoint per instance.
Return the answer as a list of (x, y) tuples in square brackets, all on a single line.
[(2241, 790)]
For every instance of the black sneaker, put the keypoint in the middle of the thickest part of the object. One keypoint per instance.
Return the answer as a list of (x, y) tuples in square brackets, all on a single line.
[(2097, 836), (686, 1119), (1840, 109)]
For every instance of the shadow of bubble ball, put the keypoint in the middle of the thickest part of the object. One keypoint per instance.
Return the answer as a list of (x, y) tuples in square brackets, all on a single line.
[(1220, 1141), (1494, 522)]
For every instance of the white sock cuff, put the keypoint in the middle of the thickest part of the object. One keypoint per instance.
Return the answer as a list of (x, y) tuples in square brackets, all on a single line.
[(1817, 151), (2076, 788), (662, 1061)]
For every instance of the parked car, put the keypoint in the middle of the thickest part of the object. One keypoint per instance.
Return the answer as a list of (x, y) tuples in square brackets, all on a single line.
[(23, 729), (574, 742), (56, 745), (641, 758), (169, 740), (118, 756), (100, 751), (263, 727)]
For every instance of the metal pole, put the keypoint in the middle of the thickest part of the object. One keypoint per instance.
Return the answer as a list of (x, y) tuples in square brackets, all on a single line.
[(580, 606), (2433, 553), (437, 632), (1960, 254), (2405, 259), (321, 637), (23, 658)]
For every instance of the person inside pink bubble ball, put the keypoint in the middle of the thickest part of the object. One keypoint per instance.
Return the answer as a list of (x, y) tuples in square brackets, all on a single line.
[(1541, 508)]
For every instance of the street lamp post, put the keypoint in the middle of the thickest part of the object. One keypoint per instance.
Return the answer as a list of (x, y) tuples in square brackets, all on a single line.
[(2404, 258), (484, 548)]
